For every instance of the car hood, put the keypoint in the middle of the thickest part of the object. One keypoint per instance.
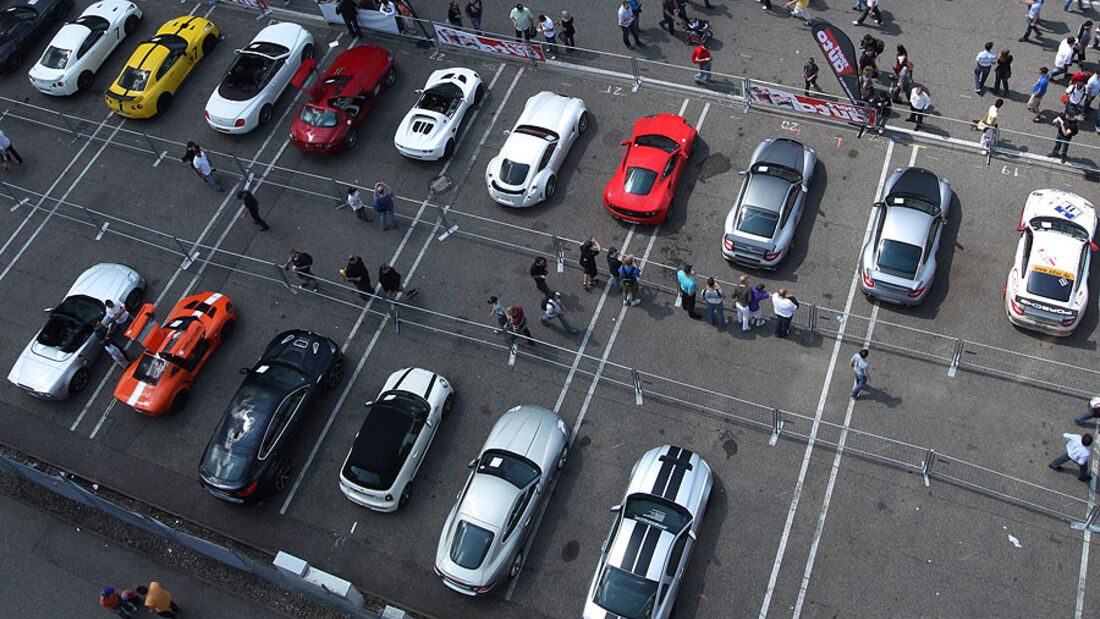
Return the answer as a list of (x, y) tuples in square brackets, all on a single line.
[(104, 281), (787, 153), (421, 129)]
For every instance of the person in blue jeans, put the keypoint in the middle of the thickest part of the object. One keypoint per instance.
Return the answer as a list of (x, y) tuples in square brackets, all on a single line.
[(1078, 449), (383, 204), (1080, 5), (1032, 20), (861, 369), (1092, 415), (555, 309), (713, 295)]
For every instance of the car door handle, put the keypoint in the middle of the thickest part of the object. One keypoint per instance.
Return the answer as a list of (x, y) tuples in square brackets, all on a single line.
[(415, 454)]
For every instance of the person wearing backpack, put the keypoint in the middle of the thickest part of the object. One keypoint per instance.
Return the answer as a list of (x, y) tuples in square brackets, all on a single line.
[(613, 266), (629, 275), (555, 309)]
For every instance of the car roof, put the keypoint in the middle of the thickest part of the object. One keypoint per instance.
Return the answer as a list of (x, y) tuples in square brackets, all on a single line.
[(1053, 250), (523, 148), (70, 36), (637, 544), (545, 109), (766, 192), (520, 431), (488, 501), (907, 225)]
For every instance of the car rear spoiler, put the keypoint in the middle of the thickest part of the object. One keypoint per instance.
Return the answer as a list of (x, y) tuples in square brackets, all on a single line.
[(305, 72)]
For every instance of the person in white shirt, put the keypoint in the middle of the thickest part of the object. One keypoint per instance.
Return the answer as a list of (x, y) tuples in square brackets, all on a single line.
[(1067, 49), (919, 102), (861, 369), (555, 309), (983, 64), (202, 166), (626, 19), (1078, 449), (355, 202), (546, 27), (784, 305)]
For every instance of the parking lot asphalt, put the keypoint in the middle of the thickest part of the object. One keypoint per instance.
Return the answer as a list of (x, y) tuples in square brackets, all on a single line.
[(791, 529)]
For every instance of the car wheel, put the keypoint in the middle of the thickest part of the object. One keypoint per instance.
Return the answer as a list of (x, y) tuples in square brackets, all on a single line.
[(335, 375), (405, 494), (517, 565), (391, 76), (282, 477), (164, 102), (84, 82), (449, 149), (61, 10), (479, 94), (14, 60), (551, 186), (131, 24), (351, 138), (179, 402), (134, 299), (227, 331), (266, 112), (448, 404), (209, 43), (307, 52), (79, 381), (582, 124), (562, 458)]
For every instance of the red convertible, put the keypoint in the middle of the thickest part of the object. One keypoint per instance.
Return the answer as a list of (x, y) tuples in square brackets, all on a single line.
[(656, 153), (340, 100)]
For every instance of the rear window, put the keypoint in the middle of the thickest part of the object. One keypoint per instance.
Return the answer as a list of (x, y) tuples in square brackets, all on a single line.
[(626, 594), (899, 259), (317, 117), (1050, 284), (133, 79), (513, 173), (639, 181), (470, 545), (56, 58), (657, 141), (226, 466), (758, 222)]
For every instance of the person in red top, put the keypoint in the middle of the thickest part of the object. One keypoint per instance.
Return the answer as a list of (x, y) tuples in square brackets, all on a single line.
[(701, 57)]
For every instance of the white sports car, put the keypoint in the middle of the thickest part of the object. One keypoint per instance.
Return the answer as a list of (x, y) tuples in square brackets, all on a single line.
[(430, 129), (526, 170), (79, 48), (55, 363), (246, 96), (394, 438), (1048, 286)]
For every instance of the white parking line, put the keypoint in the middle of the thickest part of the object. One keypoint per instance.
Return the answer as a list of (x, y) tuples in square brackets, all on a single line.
[(812, 442)]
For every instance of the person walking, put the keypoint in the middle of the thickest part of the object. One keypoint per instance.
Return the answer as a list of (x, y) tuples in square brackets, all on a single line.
[(862, 371), (901, 56), (1067, 128), (539, 273), (202, 166), (686, 279), (158, 600), (784, 305), (115, 317), (1078, 449), (546, 27), (555, 309), (1033, 8), (349, 10), (629, 274), (919, 103), (1037, 92), (1063, 58), (871, 8), (356, 272), (1084, 36), (252, 207), (1092, 89), (383, 205), (701, 56), (454, 15), (473, 11), (517, 324), (112, 601), (390, 281), (355, 203), (714, 297), (800, 8), (1080, 5), (7, 151), (589, 250), (1093, 413), (1002, 70), (496, 308), (669, 9), (904, 83), (301, 263), (809, 76), (983, 64), (523, 20), (613, 266), (742, 296), (568, 31), (759, 293), (626, 21)]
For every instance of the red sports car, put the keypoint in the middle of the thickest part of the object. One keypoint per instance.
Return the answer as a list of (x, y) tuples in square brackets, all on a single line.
[(656, 152), (340, 100)]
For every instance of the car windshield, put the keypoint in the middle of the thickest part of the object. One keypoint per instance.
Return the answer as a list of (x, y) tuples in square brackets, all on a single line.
[(778, 171), (656, 512), (470, 545), (538, 132), (133, 79), (626, 594), (1057, 224), (513, 173), (758, 222), (900, 259), (913, 201), (278, 377), (318, 117), (55, 57), (516, 470), (657, 141), (385, 439), (82, 309), (1050, 283), (639, 181)]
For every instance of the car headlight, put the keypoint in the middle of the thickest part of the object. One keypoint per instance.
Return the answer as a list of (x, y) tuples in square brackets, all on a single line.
[(561, 426)]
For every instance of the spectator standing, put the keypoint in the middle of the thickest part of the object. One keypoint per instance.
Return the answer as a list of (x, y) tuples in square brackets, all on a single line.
[(755, 315), (390, 280), (784, 305), (546, 27), (800, 8), (356, 272), (905, 83), (7, 151), (517, 324), (115, 317), (1075, 98), (202, 166), (539, 273), (686, 279), (742, 297), (1067, 128), (901, 56), (668, 16), (1092, 88), (809, 76), (870, 9), (880, 102), (454, 15), (1084, 35), (497, 309), (919, 102), (626, 24), (1092, 413), (387, 8), (473, 11), (158, 600), (1002, 70), (1063, 58), (613, 266), (100, 333), (555, 309), (1078, 449), (1037, 92), (355, 203), (523, 20), (589, 250), (349, 10), (862, 371), (568, 31), (1033, 8), (636, 25), (866, 83), (252, 207), (301, 263), (629, 274), (983, 63), (383, 205), (713, 296), (701, 56)]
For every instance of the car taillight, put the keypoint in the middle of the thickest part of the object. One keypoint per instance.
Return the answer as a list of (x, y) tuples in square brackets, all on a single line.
[(484, 588), (239, 123), (249, 490), (1066, 322), (1016, 309), (916, 293), (772, 256), (728, 244), (207, 115), (867, 281)]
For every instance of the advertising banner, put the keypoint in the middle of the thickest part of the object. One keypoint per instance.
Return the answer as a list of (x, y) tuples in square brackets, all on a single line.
[(840, 55), (367, 19), (252, 4), (505, 47), (809, 105)]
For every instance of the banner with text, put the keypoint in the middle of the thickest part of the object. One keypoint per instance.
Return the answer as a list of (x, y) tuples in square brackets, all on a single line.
[(840, 54), (506, 47), (809, 105), (373, 20)]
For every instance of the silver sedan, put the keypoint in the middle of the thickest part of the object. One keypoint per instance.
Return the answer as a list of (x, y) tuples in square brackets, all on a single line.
[(484, 535), (899, 260), (762, 222)]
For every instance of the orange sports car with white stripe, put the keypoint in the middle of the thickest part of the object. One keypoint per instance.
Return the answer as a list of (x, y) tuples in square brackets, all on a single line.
[(159, 381)]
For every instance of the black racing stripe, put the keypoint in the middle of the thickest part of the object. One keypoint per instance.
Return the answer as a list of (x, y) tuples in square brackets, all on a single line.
[(645, 557), (632, 547), (667, 463), (678, 475), (397, 385), (431, 385)]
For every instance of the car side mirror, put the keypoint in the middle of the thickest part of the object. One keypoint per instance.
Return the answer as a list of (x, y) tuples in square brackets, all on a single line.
[(1022, 228), (1092, 246), (237, 52), (243, 370), (368, 403), (472, 463), (507, 132), (48, 310), (625, 143), (691, 534), (615, 508), (743, 173), (419, 91)]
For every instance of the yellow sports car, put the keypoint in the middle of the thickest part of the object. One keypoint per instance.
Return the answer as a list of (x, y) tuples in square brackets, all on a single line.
[(158, 67)]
